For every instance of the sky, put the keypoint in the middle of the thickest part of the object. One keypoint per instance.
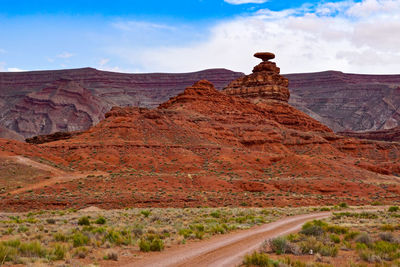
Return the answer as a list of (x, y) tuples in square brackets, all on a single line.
[(190, 35)]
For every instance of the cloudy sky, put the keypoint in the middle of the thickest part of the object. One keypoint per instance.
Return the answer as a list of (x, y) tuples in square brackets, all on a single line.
[(182, 36)]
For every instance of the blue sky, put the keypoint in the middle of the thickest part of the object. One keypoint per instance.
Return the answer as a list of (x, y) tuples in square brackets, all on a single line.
[(182, 36)]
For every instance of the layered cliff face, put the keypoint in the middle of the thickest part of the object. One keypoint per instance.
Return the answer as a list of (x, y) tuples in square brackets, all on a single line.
[(44, 102), (63, 105), (390, 135), (205, 147), (348, 101)]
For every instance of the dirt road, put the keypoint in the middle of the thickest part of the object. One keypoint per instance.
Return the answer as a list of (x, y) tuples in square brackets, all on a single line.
[(226, 250), (58, 176)]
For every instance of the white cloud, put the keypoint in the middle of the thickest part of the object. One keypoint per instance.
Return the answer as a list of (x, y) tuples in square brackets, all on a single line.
[(347, 36), (2, 51), (239, 2), (65, 55), (2, 66), (15, 70)]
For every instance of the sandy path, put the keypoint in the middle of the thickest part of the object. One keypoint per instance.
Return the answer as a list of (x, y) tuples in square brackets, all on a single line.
[(226, 250), (58, 175)]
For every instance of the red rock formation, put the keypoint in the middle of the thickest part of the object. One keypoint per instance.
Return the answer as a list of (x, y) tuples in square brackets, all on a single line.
[(391, 135), (204, 147), (44, 102), (263, 85)]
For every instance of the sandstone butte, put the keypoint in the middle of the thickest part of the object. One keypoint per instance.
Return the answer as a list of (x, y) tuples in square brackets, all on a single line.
[(242, 146)]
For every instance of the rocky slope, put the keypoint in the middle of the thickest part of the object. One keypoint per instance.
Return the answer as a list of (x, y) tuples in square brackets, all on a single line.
[(43, 102), (348, 101), (206, 147)]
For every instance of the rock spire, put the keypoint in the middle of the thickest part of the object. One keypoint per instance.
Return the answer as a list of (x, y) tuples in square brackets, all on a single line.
[(264, 84)]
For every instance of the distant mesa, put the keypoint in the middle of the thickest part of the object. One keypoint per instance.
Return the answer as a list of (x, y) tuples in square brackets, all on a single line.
[(265, 84)]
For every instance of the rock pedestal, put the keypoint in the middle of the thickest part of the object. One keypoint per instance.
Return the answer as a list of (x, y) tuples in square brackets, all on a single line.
[(263, 85)]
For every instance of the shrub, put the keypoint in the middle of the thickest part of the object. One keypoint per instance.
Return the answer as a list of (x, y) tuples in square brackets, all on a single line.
[(79, 239), (313, 228), (50, 221), (60, 237), (278, 245), (351, 235), (84, 221), (310, 243), (100, 220), (215, 214), (157, 245), (335, 238), (393, 209), (388, 227), (388, 237), (386, 250), (327, 250), (144, 245), (145, 213), (185, 232), (282, 245), (58, 252), (111, 256), (118, 237), (369, 256), (364, 238), (81, 252), (259, 259), (343, 205), (337, 229), (7, 253), (32, 249)]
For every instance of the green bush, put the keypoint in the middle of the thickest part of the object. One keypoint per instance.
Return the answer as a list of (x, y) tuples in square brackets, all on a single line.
[(144, 245), (7, 253), (157, 245), (336, 229), (278, 245), (145, 213), (185, 232), (58, 252), (351, 235), (259, 259), (84, 221), (314, 228), (215, 214), (100, 220), (60, 237), (79, 239), (327, 250), (343, 205), (364, 238), (118, 237), (32, 249), (334, 238), (393, 209)]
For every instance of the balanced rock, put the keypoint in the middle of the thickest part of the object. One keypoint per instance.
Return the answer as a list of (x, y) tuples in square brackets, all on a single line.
[(263, 85)]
